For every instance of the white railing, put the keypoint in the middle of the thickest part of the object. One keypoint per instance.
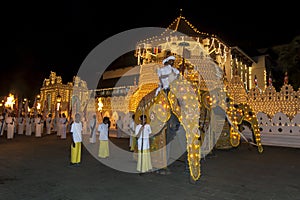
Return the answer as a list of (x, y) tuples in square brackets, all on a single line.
[(278, 130)]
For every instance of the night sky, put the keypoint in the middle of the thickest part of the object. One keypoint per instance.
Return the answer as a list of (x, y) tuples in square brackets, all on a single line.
[(44, 36)]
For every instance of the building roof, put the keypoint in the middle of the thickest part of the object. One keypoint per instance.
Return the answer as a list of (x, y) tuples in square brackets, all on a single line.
[(179, 25), (182, 25), (123, 61), (118, 82), (242, 54)]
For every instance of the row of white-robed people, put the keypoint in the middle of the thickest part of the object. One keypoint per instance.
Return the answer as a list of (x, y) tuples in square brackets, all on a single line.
[(37, 125)]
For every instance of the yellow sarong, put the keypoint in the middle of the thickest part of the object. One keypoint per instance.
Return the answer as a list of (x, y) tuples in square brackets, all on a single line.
[(134, 143), (144, 161), (103, 149), (76, 153)]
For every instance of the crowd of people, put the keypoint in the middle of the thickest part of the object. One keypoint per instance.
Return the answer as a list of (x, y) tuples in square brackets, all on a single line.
[(34, 125), (139, 134)]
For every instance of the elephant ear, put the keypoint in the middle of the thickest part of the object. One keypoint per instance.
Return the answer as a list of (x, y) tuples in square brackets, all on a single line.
[(156, 108), (156, 124), (159, 112), (143, 107)]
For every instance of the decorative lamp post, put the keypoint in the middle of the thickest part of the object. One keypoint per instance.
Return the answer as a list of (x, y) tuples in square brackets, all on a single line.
[(183, 45), (58, 101), (25, 102), (10, 101), (38, 105), (100, 106)]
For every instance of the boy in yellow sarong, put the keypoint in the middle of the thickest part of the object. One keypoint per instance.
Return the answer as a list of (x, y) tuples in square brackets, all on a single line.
[(76, 131)]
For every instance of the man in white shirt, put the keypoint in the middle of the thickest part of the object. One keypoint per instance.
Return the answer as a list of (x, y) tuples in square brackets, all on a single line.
[(63, 126), (143, 132), (132, 140), (21, 125), (28, 128), (76, 131), (10, 126), (103, 138), (167, 74), (38, 126), (48, 124), (92, 126), (119, 125), (2, 124)]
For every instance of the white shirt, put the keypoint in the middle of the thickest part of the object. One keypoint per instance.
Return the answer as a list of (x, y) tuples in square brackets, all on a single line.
[(93, 122), (21, 120), (37, 120), (145, 135), (28, 120), (9, 120), (48, 120), (63, 121), (103, 129), (76, 129), (167, 74), (132, 127), (166, 70)]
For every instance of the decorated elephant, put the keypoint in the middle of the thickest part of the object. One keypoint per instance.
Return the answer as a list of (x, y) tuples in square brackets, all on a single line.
[(166, 112)]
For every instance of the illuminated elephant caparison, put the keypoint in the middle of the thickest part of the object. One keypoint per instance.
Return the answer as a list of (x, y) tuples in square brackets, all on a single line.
[(184, 101)]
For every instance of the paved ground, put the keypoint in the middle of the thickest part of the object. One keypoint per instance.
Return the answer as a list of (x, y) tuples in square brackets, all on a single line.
[(38, 168)]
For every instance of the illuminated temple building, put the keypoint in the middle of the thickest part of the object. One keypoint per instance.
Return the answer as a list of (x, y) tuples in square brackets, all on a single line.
[(64, 98), (129, 84), (121, 88)]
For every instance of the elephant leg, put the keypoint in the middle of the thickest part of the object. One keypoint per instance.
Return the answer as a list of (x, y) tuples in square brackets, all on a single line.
[(173, 125), (256, 136)]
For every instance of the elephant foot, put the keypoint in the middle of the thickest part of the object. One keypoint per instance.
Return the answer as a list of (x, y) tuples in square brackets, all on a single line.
[(192, 181), (165, 171)]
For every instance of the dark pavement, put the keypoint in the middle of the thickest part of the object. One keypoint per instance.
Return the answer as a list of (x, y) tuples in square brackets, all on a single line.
[(38, 168)]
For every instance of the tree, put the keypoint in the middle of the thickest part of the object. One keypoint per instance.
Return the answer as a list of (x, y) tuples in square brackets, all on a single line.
[(289, 61)]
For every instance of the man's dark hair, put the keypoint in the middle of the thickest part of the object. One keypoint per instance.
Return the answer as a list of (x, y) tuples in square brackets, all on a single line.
[(143, 117)]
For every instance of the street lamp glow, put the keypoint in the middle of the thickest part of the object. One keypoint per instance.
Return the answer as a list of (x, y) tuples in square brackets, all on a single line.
[(38, 106), (10, 101), (58, 100), (100, 104)]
